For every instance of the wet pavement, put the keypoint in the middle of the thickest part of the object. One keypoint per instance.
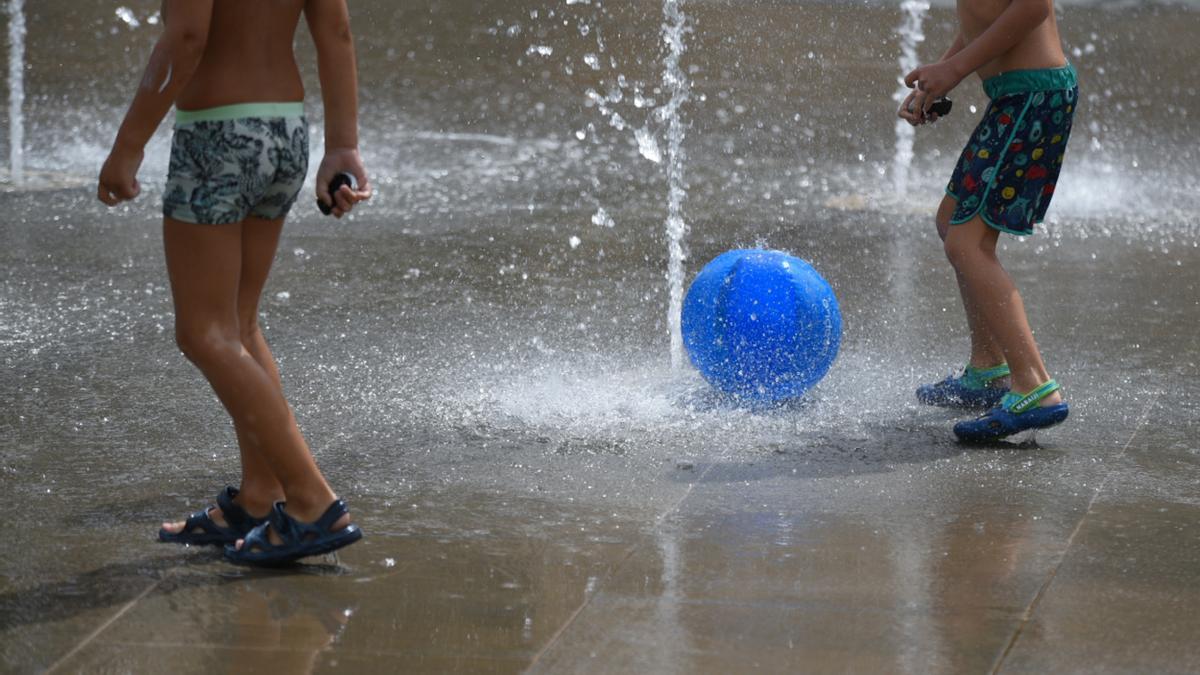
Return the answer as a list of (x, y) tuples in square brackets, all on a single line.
[(480, 364)]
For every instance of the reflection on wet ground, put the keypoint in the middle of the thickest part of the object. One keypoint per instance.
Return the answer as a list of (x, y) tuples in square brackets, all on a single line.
[(481, 366)]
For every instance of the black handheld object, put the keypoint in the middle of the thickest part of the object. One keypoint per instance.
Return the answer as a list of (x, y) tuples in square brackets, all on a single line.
[(336, 184), (941, 107)]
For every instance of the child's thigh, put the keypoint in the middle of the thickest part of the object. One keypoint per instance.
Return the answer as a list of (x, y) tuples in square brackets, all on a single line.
[(944, 213), (204, 267), (260, 240)]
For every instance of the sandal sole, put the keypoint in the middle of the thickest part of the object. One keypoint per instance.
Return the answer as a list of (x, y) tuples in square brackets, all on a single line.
[(351, 535)]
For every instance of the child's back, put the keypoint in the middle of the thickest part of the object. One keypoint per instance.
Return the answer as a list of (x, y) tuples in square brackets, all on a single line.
[(248, 55)]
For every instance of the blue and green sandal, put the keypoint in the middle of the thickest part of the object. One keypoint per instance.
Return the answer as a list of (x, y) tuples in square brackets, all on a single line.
[(1016, 413), (972, 389)]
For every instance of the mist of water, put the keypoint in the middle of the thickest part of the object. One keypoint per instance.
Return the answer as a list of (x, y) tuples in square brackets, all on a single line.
[(16, 90), (675, 82), (911, 32)]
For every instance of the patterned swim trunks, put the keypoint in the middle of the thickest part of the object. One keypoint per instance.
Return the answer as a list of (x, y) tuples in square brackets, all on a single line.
[(235, 161), (1008, 170)]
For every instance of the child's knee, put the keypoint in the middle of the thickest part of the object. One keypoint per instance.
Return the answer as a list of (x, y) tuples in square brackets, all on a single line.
[(959, 251), (248, 332), (205, 343), (966, 252)]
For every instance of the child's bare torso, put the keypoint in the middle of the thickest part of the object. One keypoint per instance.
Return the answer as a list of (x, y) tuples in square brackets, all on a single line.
[(1042, 48), (248, 56)]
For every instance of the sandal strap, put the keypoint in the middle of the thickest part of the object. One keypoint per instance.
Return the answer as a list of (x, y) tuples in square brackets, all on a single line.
[(335, 511), (1019, 403), (237, 517), (201, 520), (291, 530), (977, 378), (256, 541)]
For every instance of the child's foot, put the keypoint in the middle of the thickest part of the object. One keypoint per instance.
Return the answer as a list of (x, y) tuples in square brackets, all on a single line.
[(222, 524), (974, 388), (284, 539), (1016, 413)]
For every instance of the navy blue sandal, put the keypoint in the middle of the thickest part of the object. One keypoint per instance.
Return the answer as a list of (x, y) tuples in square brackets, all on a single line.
[(200, 529), (1016, 413), (299, 540)]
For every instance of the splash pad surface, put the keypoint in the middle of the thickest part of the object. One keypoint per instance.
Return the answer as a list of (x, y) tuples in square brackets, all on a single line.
[(480, 363)]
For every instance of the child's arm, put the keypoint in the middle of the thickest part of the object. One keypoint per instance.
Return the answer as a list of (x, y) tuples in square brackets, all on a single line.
[(172, 63), (329, 23), (955, 47), (1017, 21)]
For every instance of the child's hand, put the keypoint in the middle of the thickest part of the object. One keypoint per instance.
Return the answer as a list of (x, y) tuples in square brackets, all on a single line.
[(118, 176), (336, 161), (910, 110), (933, 81)]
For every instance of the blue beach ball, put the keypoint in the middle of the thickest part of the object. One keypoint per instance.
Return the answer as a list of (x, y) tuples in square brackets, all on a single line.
[(761, 325)]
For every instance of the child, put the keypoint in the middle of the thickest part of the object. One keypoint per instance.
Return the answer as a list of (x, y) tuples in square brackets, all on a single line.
[(238, 162), (1003, 182)]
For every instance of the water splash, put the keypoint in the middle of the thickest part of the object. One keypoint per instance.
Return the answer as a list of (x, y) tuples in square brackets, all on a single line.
[(911, 31), (16, 90), (675, 83)]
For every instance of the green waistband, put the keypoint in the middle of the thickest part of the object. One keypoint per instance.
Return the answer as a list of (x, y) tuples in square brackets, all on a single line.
[(1027, 81), (239, 111)]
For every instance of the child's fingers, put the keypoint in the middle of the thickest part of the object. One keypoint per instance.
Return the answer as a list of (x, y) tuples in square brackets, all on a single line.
[(910, 80), (344, 198), (363, 193), (914, 107), (122, 193), (907, 109)]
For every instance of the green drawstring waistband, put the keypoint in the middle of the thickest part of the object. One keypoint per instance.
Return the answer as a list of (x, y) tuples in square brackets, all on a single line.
[(1027, 81), (240, 111)]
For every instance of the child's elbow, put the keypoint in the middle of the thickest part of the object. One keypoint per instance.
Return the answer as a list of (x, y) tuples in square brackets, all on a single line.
[(337, 33)]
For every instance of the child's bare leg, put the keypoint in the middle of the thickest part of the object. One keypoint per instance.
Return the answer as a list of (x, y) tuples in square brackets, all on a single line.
[(985, 351), (205, 266), (259, 487), (971, 248), (260, 239)]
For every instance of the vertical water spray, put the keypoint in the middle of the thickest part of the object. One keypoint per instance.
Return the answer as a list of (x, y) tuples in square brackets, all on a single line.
[(16, 90), (911, 31), (676, 84)]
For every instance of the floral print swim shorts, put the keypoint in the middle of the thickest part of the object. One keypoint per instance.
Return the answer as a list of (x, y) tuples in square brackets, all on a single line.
[(1008, 170), (236, 161)]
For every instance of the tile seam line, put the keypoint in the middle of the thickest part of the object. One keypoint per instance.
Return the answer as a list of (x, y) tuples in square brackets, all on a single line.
[(628, 554), (1045, 587), (104, 626)]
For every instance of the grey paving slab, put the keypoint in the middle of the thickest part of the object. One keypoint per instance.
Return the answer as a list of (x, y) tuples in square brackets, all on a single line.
[(1124, 599)]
